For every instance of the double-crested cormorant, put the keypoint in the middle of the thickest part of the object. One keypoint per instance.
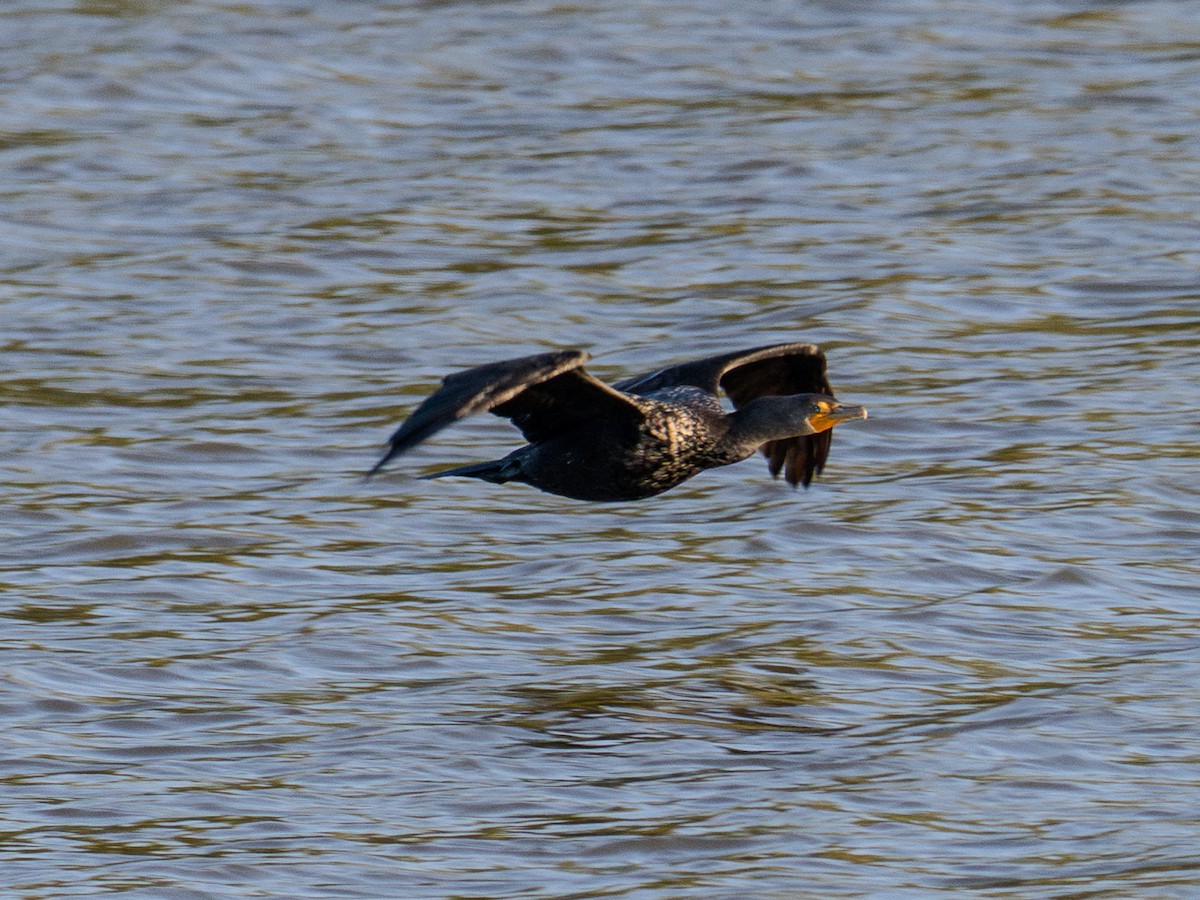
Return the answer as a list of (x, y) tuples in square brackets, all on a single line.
[(646, 434)]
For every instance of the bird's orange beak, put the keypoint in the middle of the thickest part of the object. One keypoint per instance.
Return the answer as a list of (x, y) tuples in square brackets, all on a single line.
[(842, 412)]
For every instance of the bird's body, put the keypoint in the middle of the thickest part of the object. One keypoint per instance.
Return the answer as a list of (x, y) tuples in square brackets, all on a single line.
[(679, 436), (646, 434)]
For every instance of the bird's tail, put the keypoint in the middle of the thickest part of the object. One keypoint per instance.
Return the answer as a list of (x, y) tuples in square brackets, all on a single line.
[(497, 471)]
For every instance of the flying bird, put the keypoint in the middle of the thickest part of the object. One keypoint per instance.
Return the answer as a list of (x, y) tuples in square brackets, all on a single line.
[(646, 434)]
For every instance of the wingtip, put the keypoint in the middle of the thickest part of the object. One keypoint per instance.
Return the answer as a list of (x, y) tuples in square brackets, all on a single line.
[(387, 457)]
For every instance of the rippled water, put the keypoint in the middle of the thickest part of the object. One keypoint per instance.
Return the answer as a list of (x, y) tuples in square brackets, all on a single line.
[(240, 241)]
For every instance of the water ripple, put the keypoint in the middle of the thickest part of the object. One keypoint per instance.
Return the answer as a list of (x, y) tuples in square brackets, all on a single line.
[(244, 239)]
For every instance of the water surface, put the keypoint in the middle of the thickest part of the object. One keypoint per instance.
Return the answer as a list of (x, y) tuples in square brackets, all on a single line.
[(242, 240)]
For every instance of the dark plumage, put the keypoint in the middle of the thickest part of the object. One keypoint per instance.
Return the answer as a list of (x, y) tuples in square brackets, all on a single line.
[(646, 434)]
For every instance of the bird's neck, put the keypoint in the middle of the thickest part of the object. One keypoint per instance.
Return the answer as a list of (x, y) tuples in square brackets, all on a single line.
[(763, 420)]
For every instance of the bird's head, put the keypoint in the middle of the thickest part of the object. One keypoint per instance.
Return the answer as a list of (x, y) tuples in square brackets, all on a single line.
[(777, 418), (821, 412)]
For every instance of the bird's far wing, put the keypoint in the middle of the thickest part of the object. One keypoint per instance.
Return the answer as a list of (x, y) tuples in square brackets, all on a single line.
[(778, 369), (775, 371), (800, 458), (476, 390), (781, 370)]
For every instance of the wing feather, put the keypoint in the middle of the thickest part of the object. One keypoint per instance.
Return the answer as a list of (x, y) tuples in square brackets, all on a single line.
[(542, 394)]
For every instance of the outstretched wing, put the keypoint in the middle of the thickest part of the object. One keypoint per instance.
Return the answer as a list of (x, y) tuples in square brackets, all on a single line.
[(542, 394), (780, 369)]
